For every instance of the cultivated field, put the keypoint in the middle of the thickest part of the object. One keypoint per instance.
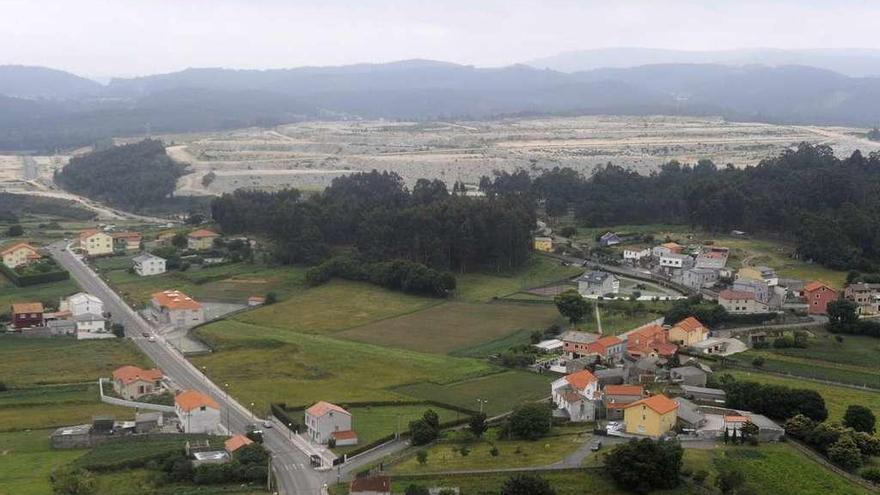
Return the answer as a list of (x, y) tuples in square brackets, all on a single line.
[(311, 154), (451, 327)]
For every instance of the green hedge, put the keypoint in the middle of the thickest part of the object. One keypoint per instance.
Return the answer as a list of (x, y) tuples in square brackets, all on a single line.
[(37, 278)]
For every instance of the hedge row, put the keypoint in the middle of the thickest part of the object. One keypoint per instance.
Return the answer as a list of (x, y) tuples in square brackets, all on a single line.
[(37, 278)]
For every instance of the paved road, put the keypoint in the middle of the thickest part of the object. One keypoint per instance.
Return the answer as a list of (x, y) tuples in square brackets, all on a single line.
[(290, 453)]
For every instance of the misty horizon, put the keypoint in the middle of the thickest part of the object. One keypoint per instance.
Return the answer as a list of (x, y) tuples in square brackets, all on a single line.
[(102, 39)]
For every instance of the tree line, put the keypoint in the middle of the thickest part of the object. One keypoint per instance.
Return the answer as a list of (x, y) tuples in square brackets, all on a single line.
[(829, 206), (383, 220), (132, 176)]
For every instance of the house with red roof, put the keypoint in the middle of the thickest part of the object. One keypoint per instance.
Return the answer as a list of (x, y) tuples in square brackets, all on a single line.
[(172, 307), (201, 239), (19, 254), (818, 294), (651, 340), (131, 382), (610, 348), (576, 396), (370, 485), (688, 331), (325, 421), (197, 412), (236, 442)]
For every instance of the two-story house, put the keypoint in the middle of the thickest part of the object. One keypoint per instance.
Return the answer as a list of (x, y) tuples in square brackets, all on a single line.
[(19, 254), (27, 315), (131, 382), (596, 283), (197, 412), (653, 416), (146, 265), (94, 242), (325, 421), (688, 331), (576, 396), (201, 240), (616, 397), (127, 241), (818, 295), (741, 302), (866, 297), (172, 307)]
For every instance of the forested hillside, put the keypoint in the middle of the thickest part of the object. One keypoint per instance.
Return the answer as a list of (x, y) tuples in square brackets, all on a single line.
[(829, 206), (131, 176), (376, 214)]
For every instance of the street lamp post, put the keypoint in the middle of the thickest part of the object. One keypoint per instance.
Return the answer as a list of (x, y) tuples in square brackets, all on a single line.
[(228, 426), (482, 402), (253, 415)]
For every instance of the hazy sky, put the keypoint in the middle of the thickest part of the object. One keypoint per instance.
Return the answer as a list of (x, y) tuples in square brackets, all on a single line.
[(129, 37)]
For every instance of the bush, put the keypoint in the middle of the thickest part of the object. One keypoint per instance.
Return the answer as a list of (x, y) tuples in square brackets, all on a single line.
[(845, 454), (494, 452), (15, 231), (871, 474), (859, 418), (3, 387), (774, 401), (758, 362), (659, 465), (529, 421), (69, 481), (271, 298), (527, 484), (700, 476), (416, 490), (422, 457)]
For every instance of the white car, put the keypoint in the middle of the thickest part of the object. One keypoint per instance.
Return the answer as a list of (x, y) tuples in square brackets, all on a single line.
[(267, 424)]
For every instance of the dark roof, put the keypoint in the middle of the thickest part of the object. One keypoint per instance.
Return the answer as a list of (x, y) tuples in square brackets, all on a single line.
[(594, 277)]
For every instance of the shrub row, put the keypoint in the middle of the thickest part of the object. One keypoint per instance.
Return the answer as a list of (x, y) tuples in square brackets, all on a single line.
[(33, 279), (401, 275)]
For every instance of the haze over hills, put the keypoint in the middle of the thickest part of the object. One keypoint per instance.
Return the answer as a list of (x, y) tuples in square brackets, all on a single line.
[(855, 62), (48, 109)]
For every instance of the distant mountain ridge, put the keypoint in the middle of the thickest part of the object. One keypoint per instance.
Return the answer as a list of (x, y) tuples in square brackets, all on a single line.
[(41, 82), (853, 62), (77, 112)]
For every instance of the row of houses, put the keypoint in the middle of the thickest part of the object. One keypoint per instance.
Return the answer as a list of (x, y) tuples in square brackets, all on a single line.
[(98, 242), (650, 340), (81, 315)]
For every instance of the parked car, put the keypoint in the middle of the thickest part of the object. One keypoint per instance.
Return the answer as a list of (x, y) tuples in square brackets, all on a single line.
[(595, 446), (267, 424)]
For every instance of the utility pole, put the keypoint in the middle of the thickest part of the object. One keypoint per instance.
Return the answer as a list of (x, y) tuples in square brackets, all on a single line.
[(482, 401), (598, 318)]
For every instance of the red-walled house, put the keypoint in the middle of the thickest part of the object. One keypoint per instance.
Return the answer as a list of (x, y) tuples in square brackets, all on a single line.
[(818, 295), (27, 315)]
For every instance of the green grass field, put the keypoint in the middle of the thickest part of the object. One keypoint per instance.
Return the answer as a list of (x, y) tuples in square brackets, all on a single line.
[(109, 455), (46, 361), (26, 459), (446, 455), (49, 293), (836, 398), (334, 306), (496, 346), (54, 406), (374, 422), (503, 391), (482, 287), (264, 364), (234, 282), (451, 327)]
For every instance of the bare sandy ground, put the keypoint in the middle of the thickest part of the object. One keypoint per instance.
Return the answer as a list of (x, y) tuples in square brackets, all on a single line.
[(311, 154)]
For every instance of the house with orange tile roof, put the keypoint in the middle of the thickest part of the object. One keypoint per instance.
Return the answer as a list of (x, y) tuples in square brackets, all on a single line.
[(818, 294), (576, 396), (19, 254), (128, 241), (236, 442), (610, 348), (688, 331), (201, 240), (172, 307), (653, 416), (616, 397), (131, 382), (94, 242), (650, 341), (666, 249), (325, 421), (197, 412)]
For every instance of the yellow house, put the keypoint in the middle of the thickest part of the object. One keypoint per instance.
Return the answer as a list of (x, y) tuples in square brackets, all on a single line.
[(652, 417), (95, 243), (201, 240), (688, 331), (544, 244), (19, 254)]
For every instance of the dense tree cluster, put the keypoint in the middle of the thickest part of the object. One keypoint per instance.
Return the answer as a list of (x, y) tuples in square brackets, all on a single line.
[(642, 466), (708, 312), (829, 206), (844, 446), (843, 318), (131, 176), (385, 221), (425, 429), (529, 421), (774, 401), (402, 275)]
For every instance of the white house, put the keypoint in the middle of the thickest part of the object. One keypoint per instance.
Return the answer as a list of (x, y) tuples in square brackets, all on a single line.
[(325, 421), (176, 308), (87, 312), (148, 264), (197, 412), (672, 260), (635, 254), (576, 396), (598, 283)]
